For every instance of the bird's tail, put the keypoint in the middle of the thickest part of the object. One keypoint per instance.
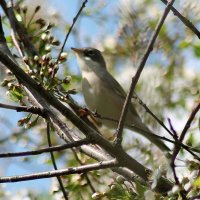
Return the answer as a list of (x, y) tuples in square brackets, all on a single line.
[(146, 132)]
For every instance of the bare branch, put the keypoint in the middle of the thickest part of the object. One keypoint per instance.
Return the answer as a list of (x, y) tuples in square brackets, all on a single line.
[(177, 147), (71, 27), (32, 109), (138, 73), (175, 135), (185, 129), (47, 150), (152, 114), (54, 163), (184, 20), (71, 170), (85, 174), (122, 157), (46, 99), (187, 148)]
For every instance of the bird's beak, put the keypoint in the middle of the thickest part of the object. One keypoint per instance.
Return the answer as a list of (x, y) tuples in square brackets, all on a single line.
[(78, 50)]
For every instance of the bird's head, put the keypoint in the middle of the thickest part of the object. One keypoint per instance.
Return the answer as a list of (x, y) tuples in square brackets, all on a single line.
[(90, 59)]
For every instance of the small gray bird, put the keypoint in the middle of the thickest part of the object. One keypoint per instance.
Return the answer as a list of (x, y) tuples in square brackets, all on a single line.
[(105, 95)]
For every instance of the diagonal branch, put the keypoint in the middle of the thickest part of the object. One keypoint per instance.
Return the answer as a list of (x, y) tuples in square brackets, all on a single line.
[(185, 147), (65, 195), (184, 20), (46, 150), (45, 99), (86, 176), (177, 147), (152, 114), (71, 27), (68, 171), (138, 73), (18, 28), (185, 129), (32, 109)]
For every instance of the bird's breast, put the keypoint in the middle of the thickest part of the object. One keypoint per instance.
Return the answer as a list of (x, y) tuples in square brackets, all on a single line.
[(91, 89), (101, 99)]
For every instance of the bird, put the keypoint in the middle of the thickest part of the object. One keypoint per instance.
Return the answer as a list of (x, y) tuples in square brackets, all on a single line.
[(104, 95)]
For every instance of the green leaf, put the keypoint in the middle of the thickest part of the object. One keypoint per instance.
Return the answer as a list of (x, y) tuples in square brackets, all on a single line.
[(184, 44), (14, 96), (190, 141), (196, 49), (9, 39), (197, 182)]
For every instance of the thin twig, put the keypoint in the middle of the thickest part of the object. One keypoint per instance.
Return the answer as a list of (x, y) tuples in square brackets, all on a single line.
[(46, 150), (62, 172), (184, 20), (152, 114), (85, 174), (16, 43), (174, 134), (14, 36), (172, 129), (177, 147), (187, 148), (76, 108), (185, 129), (138, 73), (71, 27), (42, 97), (32, 109), (54, 163)]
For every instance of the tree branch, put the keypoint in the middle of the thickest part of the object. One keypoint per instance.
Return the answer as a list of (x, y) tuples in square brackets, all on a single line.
[(47, 150), (152, 114), (18, 28), (46, 99), (68, 171), (184, 20), (177, 147), (138, 73), (71, 27), (54, 163), (32, 109)]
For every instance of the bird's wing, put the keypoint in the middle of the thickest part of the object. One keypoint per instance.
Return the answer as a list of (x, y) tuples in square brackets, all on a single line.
[(137, 125), (110, 82)]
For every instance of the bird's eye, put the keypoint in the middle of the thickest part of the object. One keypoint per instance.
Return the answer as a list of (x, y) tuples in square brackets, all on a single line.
[(90, 53)]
